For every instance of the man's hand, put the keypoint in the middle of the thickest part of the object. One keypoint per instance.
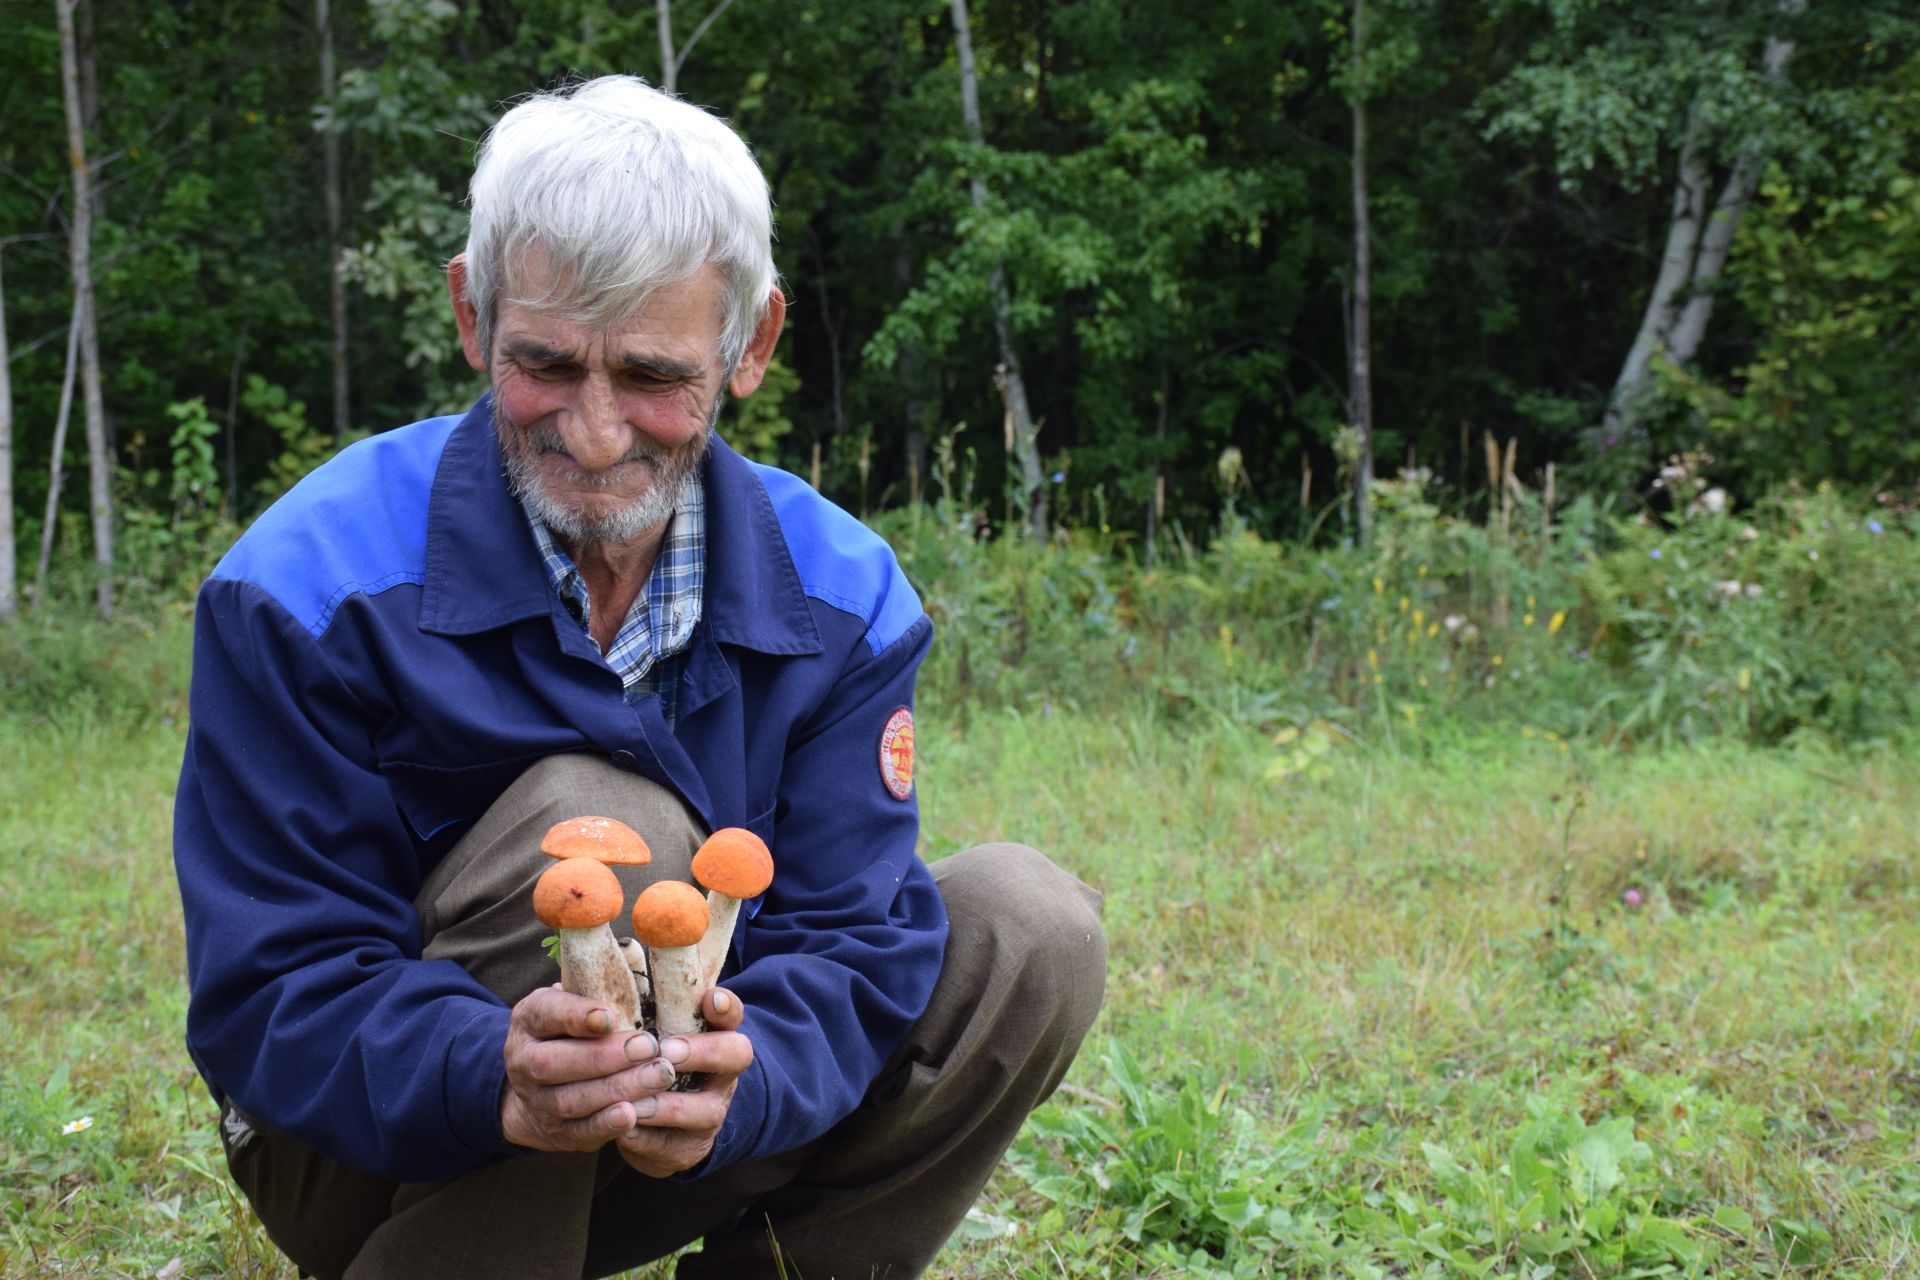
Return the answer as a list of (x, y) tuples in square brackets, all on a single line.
[(573, 1082), (675, 1131)]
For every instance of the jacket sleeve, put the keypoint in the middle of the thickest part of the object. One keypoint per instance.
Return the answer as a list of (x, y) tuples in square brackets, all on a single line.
[(310, 1006), (842, 955)]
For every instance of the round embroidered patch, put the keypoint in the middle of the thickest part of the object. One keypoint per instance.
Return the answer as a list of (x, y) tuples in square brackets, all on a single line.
[(896, 754)]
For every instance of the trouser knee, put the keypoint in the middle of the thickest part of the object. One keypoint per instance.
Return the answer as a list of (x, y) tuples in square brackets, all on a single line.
[(1031, 932)]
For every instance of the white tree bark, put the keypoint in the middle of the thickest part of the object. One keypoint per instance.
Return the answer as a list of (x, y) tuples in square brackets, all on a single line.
[(54, 473), (1681, 305), (100, 463), (1715, 244), (1676, 269), (671, 59), (669, 64), (1013, 387)]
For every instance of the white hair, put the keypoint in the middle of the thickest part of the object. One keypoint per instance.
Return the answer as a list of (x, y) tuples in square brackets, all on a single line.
[(613, 189)]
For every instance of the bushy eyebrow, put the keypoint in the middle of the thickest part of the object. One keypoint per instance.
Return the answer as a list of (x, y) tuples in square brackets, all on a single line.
[(533, 351), (659, 366)]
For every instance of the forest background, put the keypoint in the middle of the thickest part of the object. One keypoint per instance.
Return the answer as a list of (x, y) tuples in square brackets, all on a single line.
[(1418, 501)]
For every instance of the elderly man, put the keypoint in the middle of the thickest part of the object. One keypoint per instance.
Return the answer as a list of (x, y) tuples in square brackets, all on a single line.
[(571, 600)]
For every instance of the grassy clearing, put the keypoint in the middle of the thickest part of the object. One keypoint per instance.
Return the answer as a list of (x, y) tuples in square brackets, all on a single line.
[(1391, 1014)]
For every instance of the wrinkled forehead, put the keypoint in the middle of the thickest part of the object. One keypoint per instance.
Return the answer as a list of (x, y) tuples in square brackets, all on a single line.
[(590, 288)]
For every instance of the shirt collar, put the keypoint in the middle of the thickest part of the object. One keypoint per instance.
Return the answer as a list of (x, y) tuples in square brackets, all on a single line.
[(483, 571), (665, 611)]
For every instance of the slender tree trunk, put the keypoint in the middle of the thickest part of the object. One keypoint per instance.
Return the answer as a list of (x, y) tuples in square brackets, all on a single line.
[(1157, 500), (1698, 242), (55, 472), (908, 367), (336, 275), (669, 65), (1676, 268), (1013, 387), (9, 587), (1362, 351), (671, 59), (100, 464)]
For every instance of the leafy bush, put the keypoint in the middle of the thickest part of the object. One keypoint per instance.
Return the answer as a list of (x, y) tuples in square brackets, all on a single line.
[(1792, 617)]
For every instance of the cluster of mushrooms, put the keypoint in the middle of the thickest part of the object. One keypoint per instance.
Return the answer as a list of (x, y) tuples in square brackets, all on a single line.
[(656, 979)]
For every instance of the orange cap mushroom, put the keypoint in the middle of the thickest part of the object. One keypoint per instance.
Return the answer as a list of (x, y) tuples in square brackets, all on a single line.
[(669, 913), (577, 893), (602, 839), (735, 862)]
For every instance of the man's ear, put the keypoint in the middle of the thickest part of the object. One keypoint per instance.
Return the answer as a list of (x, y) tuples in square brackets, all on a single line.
[(465, 316), (753, 361)]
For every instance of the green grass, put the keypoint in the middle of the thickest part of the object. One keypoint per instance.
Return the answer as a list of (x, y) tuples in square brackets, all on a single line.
[(1388, 1015)]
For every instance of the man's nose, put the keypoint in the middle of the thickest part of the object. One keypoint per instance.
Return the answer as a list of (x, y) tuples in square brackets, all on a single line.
[(597, 436)]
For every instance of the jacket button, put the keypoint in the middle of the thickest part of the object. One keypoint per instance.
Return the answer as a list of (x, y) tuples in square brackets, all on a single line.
[(625, 760)]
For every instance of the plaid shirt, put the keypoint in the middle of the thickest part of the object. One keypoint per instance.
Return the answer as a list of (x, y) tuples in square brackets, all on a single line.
[(647, 654)]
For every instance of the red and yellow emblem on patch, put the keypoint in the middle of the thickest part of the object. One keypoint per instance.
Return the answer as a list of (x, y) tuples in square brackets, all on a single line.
[(896, 754)]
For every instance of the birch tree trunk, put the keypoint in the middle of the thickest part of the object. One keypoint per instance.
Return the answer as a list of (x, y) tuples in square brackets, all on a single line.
[(100, 464), (669, 65), (9, 588), (54, 472), (1013, 387), (671, 59), (1362, 350), (336, 277), (1698, 242)]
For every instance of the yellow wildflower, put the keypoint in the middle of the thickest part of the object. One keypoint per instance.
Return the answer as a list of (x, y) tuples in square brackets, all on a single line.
[(1419, 617), (1373, 660), (1433, 629), (1378, 585), (1404, 603), (1527, 621), (1499, 660), (1557, 621)]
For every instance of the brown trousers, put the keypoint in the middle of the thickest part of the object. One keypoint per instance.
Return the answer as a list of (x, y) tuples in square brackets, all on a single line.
[(877, 1196)]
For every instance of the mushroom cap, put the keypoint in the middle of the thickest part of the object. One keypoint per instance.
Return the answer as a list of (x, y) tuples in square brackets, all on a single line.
[(670, 913), (734, 861), (602, 839), (577, 893)]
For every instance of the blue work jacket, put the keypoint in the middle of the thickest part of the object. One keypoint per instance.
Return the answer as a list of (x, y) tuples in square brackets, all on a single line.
[(381, 655)]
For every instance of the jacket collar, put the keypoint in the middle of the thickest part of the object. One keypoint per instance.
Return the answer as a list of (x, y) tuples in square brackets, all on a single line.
[(483, 571)]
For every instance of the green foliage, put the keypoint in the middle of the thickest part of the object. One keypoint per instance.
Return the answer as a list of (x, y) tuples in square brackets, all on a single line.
[(1834, 268), (756, 425), (302, 446), (1786, 619)]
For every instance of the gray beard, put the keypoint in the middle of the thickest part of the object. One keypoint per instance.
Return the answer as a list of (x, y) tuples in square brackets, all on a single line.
[(673, 472)]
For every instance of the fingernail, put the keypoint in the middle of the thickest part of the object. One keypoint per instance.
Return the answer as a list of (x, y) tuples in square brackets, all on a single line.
[(722, 1002), (675, 1050), (599, 1022), (641, 1047), (644, 1108), (665, 1073)]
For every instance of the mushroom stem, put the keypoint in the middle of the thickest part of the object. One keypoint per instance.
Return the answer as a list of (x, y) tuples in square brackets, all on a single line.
[(722, 911), (677, 989), (593, 965)]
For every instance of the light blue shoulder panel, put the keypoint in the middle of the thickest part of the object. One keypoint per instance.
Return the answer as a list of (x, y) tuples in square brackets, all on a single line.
[(357, 524), (841, 562)]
